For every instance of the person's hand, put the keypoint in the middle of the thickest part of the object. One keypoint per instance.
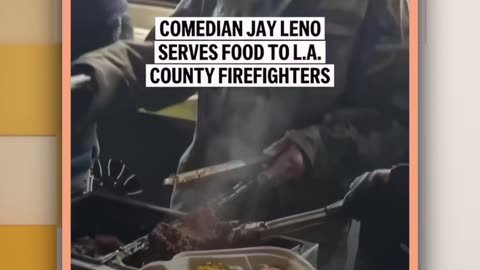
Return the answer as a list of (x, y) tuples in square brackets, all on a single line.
[(380, 201), (381, 193), (366, 193), (288, 165)]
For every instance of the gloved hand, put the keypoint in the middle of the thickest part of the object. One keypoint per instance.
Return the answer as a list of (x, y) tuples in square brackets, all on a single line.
[(379, 194), (380, 201), (288, 165)]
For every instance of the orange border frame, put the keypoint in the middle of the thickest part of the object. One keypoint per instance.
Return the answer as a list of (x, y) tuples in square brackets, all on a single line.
[(413, 121), (66, 136)]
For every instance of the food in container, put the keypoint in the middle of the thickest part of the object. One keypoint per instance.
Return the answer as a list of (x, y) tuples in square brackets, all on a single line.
[(217, 266)]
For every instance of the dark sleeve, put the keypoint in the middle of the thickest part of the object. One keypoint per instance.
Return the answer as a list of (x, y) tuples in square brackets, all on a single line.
[(352, 139), (118, 73), (399, 180), (371, 125), (118, 80)]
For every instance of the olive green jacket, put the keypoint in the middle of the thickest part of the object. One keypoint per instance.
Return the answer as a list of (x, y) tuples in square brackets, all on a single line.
[(360, 124)]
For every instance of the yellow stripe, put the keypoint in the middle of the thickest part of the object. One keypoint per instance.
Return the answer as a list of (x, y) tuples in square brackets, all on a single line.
[(28, 247), (30, 22), (186, 110), (28, 183), (30, 90)]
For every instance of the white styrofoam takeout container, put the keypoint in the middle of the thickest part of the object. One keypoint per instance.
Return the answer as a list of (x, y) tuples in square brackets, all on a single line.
[(238, 259)]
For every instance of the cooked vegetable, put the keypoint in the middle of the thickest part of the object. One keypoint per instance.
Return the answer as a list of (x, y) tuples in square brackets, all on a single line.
[(212, 266)]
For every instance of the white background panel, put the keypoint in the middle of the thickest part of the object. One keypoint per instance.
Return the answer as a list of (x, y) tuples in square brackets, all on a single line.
[(449, 107), (28, 180)]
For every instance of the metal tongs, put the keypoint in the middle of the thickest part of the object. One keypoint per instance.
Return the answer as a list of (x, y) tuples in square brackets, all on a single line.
[(243, 172), (228, 171), (293, 223)]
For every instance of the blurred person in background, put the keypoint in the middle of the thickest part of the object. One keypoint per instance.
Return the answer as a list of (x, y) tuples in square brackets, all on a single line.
[(95, 24), (98, 23)]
